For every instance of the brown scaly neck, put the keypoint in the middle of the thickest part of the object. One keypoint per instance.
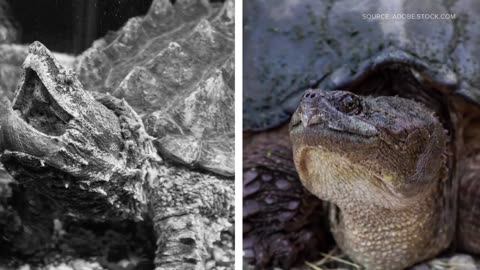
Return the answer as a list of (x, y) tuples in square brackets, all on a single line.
[(382, 238)]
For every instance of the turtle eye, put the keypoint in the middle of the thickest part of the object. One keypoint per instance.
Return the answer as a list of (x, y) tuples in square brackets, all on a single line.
[(350, 104)]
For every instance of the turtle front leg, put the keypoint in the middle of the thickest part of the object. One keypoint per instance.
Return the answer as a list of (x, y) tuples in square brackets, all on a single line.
[(282, 221), (189, 211)]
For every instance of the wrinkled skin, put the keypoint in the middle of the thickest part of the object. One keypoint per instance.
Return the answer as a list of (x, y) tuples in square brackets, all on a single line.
[(383, 129), (378, 157), (46, 123), (55, 143), (92, 159)]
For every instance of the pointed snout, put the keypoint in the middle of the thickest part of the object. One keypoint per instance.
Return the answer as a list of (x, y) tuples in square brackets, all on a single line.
[(311, 111), (310, 117)]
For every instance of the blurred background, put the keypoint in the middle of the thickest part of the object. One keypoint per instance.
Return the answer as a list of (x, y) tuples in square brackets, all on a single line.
[(71, 26)]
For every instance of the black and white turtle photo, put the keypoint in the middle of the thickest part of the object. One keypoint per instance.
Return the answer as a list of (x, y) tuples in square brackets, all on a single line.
[(121, 156)]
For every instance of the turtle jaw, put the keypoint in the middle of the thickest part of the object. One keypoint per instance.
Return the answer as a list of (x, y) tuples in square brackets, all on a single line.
[(19, 139), (330, 147), (35, 123), (329, 162), (337, 153), (323, 137), (319, 123), (58, 140), (55, 119), (37, 107), (51, 162), (345, 170)]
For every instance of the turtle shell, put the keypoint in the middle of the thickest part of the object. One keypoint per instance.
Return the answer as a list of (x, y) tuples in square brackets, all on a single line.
[(180, 80), (290, 47)]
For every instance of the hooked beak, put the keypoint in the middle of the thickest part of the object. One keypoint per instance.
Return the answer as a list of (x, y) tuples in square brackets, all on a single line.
[(310, 117)]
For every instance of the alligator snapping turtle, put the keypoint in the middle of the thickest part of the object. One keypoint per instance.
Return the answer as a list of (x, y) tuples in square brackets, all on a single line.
[(168, 156), (394, 155)]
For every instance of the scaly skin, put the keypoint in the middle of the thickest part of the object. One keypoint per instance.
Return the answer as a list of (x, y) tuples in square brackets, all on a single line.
[(381, 163), (283, 224), (91, 158)]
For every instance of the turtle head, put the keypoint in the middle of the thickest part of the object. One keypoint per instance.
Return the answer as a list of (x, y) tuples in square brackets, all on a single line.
[(371, 149), (58, 139)]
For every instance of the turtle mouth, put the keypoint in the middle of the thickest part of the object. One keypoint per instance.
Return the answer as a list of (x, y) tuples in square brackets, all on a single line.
[(38, 108), (317, 131), (321, 134), (296, 121)]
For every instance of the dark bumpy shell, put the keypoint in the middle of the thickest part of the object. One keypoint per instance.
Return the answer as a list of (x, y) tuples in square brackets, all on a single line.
[(293, 46)]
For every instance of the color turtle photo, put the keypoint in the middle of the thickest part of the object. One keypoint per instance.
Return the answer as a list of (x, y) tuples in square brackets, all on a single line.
[(361, 134)]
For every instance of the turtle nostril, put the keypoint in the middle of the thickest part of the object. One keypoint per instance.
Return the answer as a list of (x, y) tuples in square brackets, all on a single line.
[(310, 95)]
